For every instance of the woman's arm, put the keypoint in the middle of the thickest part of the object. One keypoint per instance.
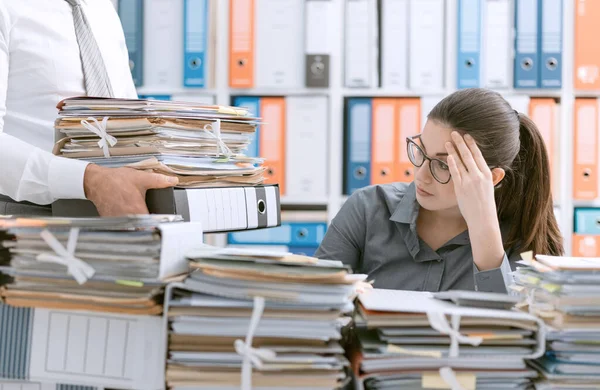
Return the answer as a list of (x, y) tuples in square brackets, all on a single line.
[(474, 184), (345, 237)]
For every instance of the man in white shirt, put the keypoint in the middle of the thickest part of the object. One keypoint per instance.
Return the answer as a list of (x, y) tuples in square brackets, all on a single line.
[(41, 64)]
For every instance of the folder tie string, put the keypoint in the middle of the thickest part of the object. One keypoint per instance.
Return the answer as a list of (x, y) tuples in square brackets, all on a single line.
[(214, 130), (99, 128), (438, 321), (78, 268), (252, 356)]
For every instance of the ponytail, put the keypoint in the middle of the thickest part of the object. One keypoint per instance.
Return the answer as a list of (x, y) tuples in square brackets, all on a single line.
[(524, 198)]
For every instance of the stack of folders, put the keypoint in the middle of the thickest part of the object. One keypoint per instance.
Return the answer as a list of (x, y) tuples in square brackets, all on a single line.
[(565, 293), (259, 319), (111, 265), (414, 340), (201, 145)]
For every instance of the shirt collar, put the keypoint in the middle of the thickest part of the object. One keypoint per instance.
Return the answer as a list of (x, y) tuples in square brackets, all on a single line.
[(408, 207)]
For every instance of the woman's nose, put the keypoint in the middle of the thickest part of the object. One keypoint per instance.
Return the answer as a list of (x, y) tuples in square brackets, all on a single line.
[(423, 173)]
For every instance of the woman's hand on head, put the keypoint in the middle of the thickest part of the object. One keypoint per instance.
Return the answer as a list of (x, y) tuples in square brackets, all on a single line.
[(473, 181)]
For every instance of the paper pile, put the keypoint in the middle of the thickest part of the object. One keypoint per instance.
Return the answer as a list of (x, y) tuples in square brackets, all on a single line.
[(116, 265), (201, 145), (259, 319), (412, 340), (565, 293)]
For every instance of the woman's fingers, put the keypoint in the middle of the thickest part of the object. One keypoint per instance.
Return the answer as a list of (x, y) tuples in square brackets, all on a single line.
[(465, 152), (476, 152), (455, 171)]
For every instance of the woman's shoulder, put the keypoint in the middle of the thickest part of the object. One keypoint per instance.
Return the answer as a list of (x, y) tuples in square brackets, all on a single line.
[(373, 197)]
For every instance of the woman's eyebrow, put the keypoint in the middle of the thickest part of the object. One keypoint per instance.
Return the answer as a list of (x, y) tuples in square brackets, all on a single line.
[(441, 154)]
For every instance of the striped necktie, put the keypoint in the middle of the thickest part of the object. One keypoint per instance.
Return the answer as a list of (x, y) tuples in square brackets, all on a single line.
[(94, 72)]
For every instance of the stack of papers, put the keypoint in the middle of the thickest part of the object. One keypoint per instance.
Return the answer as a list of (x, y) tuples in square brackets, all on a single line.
[(294, 343), (411, 340), (565, 293), (202, 145), (116, 265)]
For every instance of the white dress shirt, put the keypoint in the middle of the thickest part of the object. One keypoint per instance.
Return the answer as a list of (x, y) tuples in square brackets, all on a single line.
[(39, 66)]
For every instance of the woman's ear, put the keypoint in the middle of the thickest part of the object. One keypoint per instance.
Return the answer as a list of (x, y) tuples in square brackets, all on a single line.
[(497, 175)]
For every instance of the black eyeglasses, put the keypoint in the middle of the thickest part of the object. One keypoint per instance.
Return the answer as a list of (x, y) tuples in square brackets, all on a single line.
[(438, 168)]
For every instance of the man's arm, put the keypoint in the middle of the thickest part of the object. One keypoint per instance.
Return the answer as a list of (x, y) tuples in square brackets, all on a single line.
[(29, 173), (26, 172)]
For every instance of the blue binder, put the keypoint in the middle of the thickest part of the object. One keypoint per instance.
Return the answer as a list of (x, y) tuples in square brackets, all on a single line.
[(358, 144), (155, 97), (469, 43), (587, 221), (526, 44), (131, 13), (550, 27), (195, 40), (253, 105), (292, 234)]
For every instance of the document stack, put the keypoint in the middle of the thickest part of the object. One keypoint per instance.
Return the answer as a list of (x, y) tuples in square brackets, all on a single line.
[(414, 340), (113, 265), (201, 145), (259, 319), (565, 293)]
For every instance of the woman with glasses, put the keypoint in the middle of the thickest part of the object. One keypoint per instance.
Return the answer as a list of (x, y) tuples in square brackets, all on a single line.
[(481, 195)]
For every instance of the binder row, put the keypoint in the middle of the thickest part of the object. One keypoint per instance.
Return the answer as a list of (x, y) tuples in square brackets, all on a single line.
[(170, 43), (387, 43), (293, 140), (375, 152), (301, 233), (401, 44), (485, 41)]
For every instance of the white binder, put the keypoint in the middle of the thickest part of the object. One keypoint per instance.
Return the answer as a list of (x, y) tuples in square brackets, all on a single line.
[(307, 125), (279, 43), (427, 44), (394, 43), (116, 350), (320, 30), (361, 46), (497, 49), (230, 208), (163, 44)]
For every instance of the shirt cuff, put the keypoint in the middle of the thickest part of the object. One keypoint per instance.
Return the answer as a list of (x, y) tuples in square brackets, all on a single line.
[(497, 280), (65, 178)]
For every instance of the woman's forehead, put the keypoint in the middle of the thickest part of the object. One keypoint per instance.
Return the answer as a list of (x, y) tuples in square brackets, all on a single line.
[(434, 137)]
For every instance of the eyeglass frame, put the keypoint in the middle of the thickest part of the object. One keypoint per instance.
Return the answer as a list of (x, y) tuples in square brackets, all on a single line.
[(410, 140)]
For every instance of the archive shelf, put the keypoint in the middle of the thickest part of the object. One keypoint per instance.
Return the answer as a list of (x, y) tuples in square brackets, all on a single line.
[(337, 92)]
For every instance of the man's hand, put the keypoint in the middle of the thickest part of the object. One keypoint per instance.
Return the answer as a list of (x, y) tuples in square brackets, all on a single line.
[(121, 191)]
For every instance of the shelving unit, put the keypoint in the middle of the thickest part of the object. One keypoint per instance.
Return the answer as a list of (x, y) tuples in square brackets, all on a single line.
[(337, 93)]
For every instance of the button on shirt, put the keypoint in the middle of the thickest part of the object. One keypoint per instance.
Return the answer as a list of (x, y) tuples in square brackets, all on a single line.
[(40, 65), (375, 233)]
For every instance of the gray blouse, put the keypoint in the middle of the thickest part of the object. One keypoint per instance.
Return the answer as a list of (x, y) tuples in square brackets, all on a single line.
[(375, 233)]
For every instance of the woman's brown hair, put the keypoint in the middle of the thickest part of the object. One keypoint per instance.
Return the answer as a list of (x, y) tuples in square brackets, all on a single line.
[(511, 141)]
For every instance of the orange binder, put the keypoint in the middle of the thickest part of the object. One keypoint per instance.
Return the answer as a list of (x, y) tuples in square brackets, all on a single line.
[(586, 246), (585, 163), (383, 149), (587, 45), (272, 140), (241, 43), (409, 124), (543, 112)]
